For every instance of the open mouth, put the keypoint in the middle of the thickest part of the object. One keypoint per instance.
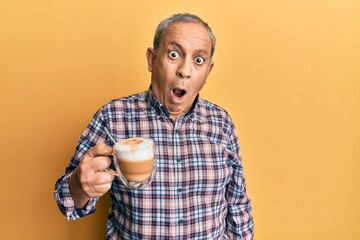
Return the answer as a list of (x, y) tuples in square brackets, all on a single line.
[(178, 92)]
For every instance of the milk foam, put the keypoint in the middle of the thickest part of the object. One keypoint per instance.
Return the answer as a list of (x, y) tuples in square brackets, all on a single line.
[(139, 149)]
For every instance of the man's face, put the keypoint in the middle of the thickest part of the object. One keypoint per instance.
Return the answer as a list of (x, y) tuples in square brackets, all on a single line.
[(180, 67)]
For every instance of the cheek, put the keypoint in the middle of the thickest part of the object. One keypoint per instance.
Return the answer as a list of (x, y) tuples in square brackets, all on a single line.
[(198, 86), (167, 70), (201, 79)]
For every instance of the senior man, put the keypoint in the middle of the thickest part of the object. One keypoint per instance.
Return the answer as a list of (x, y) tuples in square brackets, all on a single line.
[(198, 191)]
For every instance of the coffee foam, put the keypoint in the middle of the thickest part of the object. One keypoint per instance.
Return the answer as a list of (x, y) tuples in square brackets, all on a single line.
[(135, 149)]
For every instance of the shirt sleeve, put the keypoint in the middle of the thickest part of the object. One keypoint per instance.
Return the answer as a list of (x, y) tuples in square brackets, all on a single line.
[(239, 220), (66, 203), (93, 134)]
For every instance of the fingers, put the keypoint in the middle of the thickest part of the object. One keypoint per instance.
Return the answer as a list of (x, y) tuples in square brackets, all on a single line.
[(103, 181), (101, 189), (97, 184), (96, 158), (99, 150), (92, 180), (98, 163), (103, 178)]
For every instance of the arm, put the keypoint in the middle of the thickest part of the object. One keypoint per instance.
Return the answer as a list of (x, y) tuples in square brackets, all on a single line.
[(239, 220), (74, 192)]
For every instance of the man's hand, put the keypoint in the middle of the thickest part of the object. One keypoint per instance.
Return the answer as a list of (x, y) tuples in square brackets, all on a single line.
[(87, 180)]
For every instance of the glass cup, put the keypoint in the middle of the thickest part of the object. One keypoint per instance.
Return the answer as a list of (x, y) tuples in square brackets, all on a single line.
[(135, 162)]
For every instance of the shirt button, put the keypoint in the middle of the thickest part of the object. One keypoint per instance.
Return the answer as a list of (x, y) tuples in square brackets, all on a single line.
[(177, 131), (179, 190), (178, 160), (181, 221)]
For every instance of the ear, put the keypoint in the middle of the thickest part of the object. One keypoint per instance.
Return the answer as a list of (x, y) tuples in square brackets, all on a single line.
[(150, 56), (210, 67)]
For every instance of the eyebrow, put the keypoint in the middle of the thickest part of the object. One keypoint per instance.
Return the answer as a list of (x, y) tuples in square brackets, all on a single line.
[(178, 45)]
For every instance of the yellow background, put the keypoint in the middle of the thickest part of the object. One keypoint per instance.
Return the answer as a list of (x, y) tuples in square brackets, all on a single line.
[(287, 71)]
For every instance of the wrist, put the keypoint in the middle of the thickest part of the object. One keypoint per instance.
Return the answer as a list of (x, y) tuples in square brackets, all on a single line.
[(78, 195)]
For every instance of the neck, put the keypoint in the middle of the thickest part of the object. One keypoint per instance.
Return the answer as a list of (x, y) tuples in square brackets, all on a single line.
[(175, 115)]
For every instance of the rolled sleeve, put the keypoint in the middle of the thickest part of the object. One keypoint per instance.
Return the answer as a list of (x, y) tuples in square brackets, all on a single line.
[(66, 203), (92, 135), (240, 223)]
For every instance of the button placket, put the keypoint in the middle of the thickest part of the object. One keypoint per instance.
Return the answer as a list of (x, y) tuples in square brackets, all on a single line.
[(178, 191)]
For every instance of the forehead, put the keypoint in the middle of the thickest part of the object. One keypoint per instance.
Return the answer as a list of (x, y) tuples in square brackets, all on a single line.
[(187, 34)]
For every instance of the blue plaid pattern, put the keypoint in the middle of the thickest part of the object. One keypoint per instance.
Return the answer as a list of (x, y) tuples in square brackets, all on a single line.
[(198, 191)]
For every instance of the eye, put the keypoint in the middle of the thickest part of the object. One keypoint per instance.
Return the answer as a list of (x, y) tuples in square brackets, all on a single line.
[(173, 54), (199, 60)]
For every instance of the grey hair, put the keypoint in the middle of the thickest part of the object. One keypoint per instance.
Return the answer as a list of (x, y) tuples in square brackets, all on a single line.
[(183, 18)]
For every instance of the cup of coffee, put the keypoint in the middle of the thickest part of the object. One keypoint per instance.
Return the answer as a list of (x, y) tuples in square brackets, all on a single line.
[(135, 161)]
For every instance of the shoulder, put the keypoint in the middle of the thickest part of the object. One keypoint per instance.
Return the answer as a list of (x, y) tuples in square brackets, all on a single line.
[(208, 109), (212, 113), (132, 101), (134, 98), (216, 122), (122, 106)]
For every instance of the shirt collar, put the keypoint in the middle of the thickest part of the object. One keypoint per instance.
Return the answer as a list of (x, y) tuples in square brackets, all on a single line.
[(161, 110)]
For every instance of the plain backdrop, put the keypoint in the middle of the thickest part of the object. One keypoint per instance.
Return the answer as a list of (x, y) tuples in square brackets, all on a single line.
[(288, 72)]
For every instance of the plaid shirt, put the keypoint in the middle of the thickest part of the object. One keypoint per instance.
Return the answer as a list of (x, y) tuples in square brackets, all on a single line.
[(198, 191)]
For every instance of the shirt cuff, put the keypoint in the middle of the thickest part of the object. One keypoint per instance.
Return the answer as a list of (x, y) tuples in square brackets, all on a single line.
[(88, 209), (66, 203)]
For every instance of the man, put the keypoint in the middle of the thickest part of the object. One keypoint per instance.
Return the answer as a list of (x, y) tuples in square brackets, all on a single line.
[(198, 191)]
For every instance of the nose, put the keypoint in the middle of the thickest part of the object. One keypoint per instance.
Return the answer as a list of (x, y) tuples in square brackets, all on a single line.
[(184, 69)]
